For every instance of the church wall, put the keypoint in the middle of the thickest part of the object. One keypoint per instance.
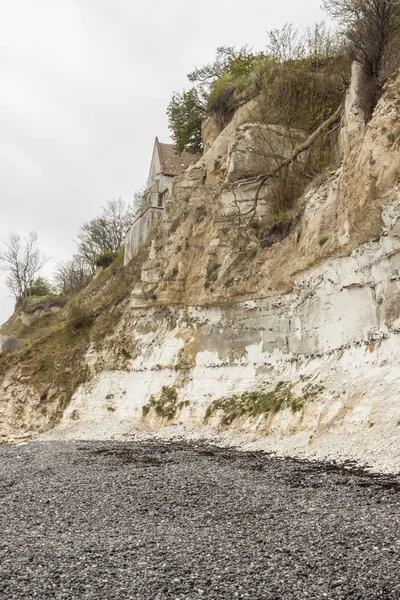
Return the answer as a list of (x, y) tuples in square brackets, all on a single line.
[(140, 230)]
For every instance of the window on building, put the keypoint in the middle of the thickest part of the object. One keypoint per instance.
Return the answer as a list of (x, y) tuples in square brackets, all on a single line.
[(161, 199)]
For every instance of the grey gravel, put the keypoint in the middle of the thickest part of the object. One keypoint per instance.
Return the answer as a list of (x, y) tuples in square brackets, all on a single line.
[(104, 520)]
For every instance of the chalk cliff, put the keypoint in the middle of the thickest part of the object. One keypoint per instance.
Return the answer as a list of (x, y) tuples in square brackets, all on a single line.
[(308, 320)]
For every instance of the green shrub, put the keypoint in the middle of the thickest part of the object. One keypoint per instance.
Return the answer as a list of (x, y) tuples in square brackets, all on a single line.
[(105, 259), (167, 404), (258, 403), (221, 102), (41, 287)]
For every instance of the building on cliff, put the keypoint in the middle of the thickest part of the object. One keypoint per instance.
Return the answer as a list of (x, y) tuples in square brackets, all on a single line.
[(165, 165)]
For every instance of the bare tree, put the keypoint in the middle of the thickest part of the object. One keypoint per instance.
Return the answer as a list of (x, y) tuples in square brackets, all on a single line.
[(369, 27), (105, 233), (73, 275), (22, 260)]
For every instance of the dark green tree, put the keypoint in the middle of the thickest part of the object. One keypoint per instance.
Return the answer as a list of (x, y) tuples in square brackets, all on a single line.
[(186, 112), (41, 287)]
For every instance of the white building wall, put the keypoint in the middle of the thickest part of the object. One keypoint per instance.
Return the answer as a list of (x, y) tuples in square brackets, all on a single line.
[(149, 215)]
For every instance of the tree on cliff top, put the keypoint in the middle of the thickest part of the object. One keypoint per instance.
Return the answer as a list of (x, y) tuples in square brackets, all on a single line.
[(186, 112), (211, 93)]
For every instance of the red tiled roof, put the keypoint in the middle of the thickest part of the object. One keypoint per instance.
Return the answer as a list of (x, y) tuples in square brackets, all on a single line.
[(171, 162)]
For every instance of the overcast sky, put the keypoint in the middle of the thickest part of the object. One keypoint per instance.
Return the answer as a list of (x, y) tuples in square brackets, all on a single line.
[(84, 87)]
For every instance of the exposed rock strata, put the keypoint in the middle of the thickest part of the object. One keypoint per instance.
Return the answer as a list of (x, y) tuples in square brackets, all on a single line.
[(321, 306)]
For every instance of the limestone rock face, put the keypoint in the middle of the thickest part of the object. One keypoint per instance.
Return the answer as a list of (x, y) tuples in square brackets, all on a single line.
[(209, 132), (215, 315), (33, 312), (256, 149)]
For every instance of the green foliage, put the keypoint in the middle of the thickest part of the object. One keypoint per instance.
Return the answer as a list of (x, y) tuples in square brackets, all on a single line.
[(167, 404), (302, 80), (40, 287), (221, 100), (257, 403), (106, 258), (251, 403), (224, 92), (227, 59), (185, 115), (211, 94)]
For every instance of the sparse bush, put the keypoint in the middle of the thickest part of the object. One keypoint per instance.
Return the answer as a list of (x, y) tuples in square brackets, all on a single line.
[(212, 272), (175, 224), (105, 259), (105, 233), (217, 165), (221, 101), (10, 344), (167, 404), (371, 30), (302, 81), (79, 317), (199, 214), (73, 275), (228, 91), (251, 403), (322, 241)]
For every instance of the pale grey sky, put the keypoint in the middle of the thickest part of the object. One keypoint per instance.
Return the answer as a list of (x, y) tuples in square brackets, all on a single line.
[(84, 87)]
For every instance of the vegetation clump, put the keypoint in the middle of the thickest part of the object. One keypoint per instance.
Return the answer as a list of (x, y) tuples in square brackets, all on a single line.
[(299, 80), (79, 316), (106, 258), (167, 404), (256, 403)]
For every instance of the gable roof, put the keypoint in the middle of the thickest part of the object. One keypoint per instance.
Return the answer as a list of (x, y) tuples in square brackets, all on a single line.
[(172, 163)]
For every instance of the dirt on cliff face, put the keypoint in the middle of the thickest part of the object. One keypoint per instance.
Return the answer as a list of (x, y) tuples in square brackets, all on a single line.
[(38, 380), (195, 258)]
